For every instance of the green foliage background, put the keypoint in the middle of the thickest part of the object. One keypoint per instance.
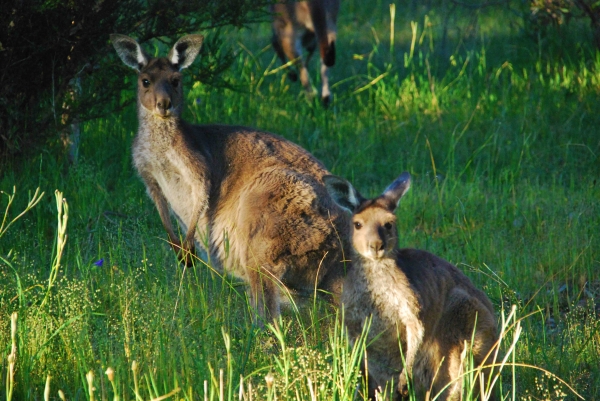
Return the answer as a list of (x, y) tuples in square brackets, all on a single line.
[(498, 125)]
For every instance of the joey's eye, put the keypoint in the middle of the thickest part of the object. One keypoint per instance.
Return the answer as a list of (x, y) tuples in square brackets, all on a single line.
[(357, 225), (146, 83), (175, 82), (388, 226)]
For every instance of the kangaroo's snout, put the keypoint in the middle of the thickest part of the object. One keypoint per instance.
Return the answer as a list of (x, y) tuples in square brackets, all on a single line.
[(163, 106), (375, 249), (165, 95)]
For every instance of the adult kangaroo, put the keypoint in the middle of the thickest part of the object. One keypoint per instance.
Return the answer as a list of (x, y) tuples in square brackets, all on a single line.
[(256, 199), (424, 309), (308, 24)]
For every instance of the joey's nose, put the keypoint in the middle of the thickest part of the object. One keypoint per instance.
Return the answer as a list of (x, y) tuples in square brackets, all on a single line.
[(376, 248)]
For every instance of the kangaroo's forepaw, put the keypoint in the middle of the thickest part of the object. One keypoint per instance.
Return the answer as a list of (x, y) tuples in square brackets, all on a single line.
[(186, 256), (185, 252), (402, 386)]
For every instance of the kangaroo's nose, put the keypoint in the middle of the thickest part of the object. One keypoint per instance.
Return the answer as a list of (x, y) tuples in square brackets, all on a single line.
[(163, 104), (376, 246), (375, 249)]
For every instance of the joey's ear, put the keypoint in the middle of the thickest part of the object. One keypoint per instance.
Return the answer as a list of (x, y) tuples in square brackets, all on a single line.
[(185, 50), (129, 51), (342, 192), (396, 190)]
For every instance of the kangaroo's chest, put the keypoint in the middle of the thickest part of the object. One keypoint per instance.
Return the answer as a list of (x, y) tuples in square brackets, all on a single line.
[(385, 295), (167, 168), (172, 178)]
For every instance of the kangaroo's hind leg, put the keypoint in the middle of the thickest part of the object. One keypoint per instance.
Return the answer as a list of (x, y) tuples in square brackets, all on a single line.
[(466, 323), (287, 46)]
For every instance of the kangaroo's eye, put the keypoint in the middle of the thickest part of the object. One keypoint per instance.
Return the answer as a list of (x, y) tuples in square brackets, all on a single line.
[(175, 82), (145, 83), (357, 225), (388, 226)]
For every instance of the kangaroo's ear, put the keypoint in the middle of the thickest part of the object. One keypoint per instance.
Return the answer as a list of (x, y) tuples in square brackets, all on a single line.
[(342, 192), (185, 50), (396, 190), (129, 51)]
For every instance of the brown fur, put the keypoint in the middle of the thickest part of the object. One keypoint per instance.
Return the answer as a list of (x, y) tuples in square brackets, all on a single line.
[(256, 199), (414, 297), (308, 24)]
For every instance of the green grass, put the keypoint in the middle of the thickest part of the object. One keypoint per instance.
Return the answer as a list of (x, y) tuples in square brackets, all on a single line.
[(499, 129)]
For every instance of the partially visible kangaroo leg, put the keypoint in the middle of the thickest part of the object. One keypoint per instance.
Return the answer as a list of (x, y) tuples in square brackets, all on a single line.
[(188, 248), (414, 337), (289, 45), (264, 294), (323, 16), (185, 251), (466, 314), (325, 91), (292, 75)]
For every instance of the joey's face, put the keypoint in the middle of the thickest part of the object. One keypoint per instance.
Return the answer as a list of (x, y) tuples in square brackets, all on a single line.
[(159, 88), (374, 234)]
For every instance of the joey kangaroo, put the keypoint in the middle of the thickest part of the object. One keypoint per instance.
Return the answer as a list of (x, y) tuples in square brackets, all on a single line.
[(415, 298), (308, 24), (256, 199)]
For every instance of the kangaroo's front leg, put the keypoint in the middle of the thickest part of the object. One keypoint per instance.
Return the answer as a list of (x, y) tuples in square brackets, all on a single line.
[(185, 251), (162, 206), (264, 294), (188, 249)]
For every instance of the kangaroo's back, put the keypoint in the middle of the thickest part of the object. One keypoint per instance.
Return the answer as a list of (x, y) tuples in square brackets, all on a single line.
[(433, 276)]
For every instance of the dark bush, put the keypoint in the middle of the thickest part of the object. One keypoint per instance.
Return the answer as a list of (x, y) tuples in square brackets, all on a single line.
[(559, 12), (57, 65)]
